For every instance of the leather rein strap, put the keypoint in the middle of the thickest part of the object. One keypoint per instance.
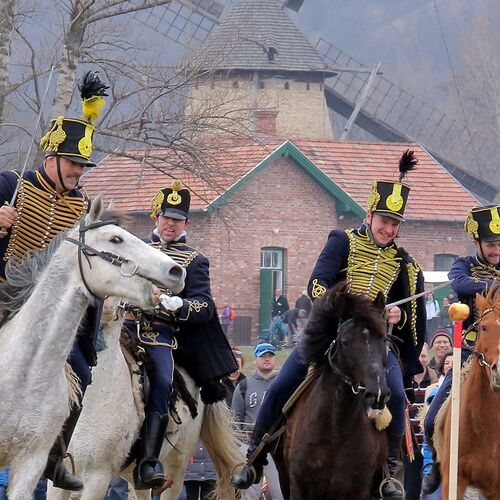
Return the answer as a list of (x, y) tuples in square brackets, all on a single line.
[(88, 251)]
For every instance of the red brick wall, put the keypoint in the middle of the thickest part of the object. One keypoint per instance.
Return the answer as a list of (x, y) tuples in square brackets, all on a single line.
[(284, 198)]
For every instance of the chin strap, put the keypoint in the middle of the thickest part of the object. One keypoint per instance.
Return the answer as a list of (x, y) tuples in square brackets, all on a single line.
[(59, 176)]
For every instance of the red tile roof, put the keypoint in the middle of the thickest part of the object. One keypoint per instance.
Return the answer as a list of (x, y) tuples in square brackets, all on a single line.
[(352, 166)]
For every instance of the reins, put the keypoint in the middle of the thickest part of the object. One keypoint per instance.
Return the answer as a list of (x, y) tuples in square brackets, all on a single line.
[(88, 251), (479, 355), (332, 351)]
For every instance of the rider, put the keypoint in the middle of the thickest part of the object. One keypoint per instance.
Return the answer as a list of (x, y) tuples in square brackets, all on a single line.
[(48, 201), (188, 322), (470, 275), (369, 261)]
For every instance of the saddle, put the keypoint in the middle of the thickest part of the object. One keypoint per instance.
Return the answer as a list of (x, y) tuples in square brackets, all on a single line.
[(141, 367)]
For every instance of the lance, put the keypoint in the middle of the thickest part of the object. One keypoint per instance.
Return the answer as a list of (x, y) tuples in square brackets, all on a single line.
[(457, 312), (3, 230)]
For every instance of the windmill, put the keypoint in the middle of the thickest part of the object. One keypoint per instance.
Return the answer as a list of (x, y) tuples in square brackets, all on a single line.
[(358, 96)]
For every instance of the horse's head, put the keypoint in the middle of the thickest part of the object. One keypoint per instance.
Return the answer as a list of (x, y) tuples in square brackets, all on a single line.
[(354, 328), (114, 262), (488, 329)]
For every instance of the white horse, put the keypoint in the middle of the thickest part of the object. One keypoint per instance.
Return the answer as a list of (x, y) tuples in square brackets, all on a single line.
[(97, 257), (111, 421)]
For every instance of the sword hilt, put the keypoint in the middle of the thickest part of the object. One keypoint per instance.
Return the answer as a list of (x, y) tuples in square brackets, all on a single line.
[(3, 230)]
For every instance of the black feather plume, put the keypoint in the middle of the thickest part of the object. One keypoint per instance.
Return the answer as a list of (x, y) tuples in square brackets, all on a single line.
[(90, 85), (407, 163)]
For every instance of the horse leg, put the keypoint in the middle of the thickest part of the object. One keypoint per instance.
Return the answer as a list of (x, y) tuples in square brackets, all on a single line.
[(25, 476), (54, 493), (96, 484)]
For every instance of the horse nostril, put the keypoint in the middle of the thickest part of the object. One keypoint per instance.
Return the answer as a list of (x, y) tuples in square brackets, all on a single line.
[(176, 271)]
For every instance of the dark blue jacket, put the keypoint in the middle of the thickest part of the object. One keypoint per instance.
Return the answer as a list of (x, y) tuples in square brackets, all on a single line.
[(204, 350), (330, 269), (37, 210), (470, 276), (200, 466)]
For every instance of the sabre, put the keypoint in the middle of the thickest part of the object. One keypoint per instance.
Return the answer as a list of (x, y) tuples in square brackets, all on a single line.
[(417, 295), (3, 230)]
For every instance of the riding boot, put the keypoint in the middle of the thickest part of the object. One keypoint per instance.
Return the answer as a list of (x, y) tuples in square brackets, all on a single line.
[(149, 470), (432, 480), (55, 469), (391, 487), (252, 472)]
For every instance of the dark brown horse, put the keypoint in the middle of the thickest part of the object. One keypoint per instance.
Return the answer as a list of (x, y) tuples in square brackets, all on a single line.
[(330, 448), (479, 438)]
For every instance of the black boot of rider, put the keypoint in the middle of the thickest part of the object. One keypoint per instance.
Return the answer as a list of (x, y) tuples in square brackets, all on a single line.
[(55, 469), (432, 480), (391, 488), (149, 470), (252, 473)]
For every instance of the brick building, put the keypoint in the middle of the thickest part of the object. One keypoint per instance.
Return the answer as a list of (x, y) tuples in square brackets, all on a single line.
[(276, 201), (269, 204)]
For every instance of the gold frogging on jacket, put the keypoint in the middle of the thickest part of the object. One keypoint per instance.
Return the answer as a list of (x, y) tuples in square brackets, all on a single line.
[(318, 290)]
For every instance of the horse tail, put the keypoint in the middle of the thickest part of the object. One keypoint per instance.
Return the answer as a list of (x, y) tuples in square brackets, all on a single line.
[(220, 437), (74, 389)]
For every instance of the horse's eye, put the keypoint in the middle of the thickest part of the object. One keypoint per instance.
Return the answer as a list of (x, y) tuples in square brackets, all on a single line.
[(116, 240), (483, 328)]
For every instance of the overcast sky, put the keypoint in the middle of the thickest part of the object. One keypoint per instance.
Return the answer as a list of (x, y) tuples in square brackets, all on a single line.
[(396, 32)]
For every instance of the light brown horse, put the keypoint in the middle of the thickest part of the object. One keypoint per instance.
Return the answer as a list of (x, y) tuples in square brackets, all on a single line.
[(479, 441)]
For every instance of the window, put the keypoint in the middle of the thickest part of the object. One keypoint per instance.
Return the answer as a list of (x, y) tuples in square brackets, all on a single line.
[(443, 261), (273, 259)]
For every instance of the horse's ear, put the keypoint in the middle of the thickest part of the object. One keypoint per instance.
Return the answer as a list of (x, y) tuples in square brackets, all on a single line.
[(96, 209), (480, 303), (111, 205), (379, 302)]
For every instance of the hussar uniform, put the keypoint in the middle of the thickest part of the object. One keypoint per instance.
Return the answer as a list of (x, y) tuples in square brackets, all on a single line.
[(191, 335), (470, 275), (353, 256), (42, 214)]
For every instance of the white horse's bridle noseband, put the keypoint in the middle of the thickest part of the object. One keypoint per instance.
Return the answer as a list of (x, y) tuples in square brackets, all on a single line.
[(88, 252)]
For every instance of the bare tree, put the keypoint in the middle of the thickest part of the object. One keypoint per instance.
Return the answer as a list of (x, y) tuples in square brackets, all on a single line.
[(145, 113), (474, 95), (6, 29)]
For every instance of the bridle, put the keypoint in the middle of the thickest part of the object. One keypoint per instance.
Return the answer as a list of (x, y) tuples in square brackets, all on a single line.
[(88, 251), (332, 351), (480, 355)]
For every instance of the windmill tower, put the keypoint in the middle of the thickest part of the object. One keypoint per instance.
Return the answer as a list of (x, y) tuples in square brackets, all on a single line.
[(265, 70), (389, 114)]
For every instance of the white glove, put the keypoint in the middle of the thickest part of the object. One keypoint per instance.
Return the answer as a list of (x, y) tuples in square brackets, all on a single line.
[(171, 304)]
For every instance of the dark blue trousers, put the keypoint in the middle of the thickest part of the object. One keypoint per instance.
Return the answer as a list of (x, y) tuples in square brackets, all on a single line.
[(80, 366), (397, 402), (162, 374), (438, 400)]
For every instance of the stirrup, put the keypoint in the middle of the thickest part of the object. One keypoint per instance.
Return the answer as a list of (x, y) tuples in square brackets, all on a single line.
[(156, 480), (252, 476), (396, 484)]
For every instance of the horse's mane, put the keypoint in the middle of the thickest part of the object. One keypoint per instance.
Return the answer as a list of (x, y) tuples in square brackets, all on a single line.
[(22, 277), (493, 296), (336, 306)]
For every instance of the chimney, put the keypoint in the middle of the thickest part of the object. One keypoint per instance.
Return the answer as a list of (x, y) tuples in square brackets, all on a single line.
[(265, 121)]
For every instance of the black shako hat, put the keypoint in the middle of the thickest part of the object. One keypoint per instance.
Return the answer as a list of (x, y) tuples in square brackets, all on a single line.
[(71, 138), (483, 223), (390, 197), (172, 202)]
